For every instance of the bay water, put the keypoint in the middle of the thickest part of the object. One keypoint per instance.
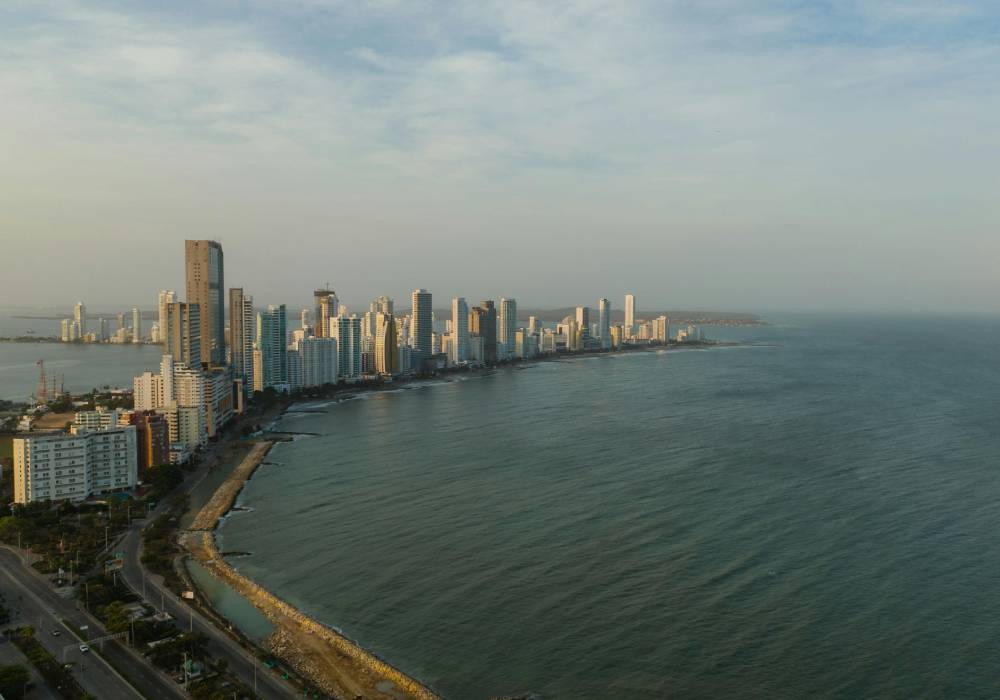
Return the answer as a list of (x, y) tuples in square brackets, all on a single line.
[(812, 515)]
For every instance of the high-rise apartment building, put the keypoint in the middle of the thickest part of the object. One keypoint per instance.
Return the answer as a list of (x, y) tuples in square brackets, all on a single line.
[(318, 358), (272, 341), (206, 287), (422, 326), (327, 305), (164, 299), (661, 329), (136, 325), (152, 436), (604, 322), (80, 317), (583, 321), (61, 466), (459, 330), (387, 346), (483, 324), (507, 325), (629, 315), (242, 334), (347, 331), (183, 333)]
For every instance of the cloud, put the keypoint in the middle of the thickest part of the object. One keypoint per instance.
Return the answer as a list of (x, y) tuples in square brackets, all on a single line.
[(721, 116)]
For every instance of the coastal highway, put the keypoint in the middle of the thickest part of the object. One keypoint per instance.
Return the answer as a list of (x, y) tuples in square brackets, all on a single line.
[(36, 603), (220, 644)]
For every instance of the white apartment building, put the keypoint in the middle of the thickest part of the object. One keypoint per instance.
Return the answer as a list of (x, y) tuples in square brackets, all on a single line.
[(60, 466)]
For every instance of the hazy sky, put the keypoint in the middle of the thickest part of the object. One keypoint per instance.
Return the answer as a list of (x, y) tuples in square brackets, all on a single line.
[(726, 154)]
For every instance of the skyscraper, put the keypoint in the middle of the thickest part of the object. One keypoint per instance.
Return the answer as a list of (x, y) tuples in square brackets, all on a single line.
[(583, 321), (319, 361), (80, 316), (347, 331), (422, 328), (242, 334), (386, 346), (507, 326), (166, 296), (327, 305), (136, 325), (604, 322), (272, 341), (183, 333), (629, 315), (460, 330), (205, 286), (488, 331)]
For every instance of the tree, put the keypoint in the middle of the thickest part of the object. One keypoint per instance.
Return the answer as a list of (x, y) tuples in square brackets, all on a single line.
[(13, 680)]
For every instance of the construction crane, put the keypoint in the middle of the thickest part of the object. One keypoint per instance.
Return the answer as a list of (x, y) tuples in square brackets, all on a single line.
[(42, 391)]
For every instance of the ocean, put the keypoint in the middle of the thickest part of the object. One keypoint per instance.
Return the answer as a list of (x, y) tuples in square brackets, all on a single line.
[(80, 366), (814, 515)]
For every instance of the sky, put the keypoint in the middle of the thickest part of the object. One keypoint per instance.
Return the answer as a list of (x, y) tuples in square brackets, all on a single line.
[(703, 154)]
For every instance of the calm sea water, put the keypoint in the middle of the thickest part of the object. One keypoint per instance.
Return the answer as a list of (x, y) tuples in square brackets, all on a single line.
[(82, 367), (818, 518)]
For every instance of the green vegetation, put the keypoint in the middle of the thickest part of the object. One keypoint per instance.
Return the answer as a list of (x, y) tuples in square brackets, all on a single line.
[(14, 682), (55, 674), (68, 534), (159, 548)]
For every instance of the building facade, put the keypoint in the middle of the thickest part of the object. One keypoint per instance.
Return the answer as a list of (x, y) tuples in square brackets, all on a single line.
[(242, 334), (422, 326), (205, 286), (183, 333), (61, 466)]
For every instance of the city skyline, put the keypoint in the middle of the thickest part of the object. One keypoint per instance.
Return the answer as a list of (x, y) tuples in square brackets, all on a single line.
[(834, 156)]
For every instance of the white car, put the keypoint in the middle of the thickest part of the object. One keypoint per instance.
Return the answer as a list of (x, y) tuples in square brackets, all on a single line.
[(84, 648)]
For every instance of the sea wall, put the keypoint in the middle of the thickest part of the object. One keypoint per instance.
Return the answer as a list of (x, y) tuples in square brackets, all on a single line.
[(295, 631)]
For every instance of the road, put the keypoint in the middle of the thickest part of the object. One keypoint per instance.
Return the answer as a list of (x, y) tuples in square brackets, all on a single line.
[(220, 645), (10, 655), (36, 603)]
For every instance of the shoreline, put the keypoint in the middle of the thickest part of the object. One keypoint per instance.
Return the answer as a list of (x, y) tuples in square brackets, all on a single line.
[(317, 651), (327, 658)]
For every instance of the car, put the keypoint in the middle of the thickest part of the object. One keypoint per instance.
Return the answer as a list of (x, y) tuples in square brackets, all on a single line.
[(56, 633), (84, 648)]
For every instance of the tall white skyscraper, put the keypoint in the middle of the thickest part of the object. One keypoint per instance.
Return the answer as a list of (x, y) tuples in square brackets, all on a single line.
[(629, 315), (136, 326), (583, 320), (604, 322), (165, 298), (459, 330), (507, 325), (80, 316)]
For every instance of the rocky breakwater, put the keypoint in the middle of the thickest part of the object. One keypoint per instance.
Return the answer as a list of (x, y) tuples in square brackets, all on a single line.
[(331, 661)]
